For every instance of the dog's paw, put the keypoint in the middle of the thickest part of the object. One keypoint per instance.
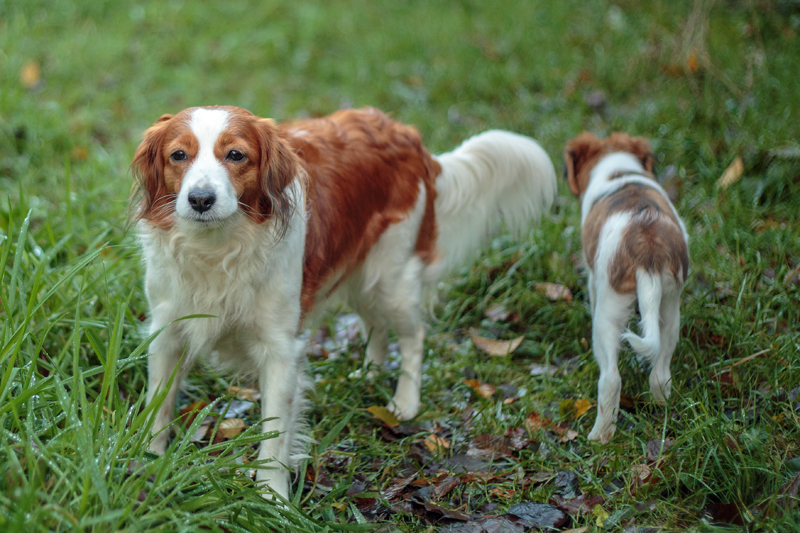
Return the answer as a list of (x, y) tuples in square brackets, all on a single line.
[(602, 435), (403, 409)]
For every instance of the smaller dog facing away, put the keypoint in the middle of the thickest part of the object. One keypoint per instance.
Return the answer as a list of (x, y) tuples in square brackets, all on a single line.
[(261, 224), (635, 248)]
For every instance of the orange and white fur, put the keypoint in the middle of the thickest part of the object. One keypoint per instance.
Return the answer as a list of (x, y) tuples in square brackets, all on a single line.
[(635, 250), (260, 224)]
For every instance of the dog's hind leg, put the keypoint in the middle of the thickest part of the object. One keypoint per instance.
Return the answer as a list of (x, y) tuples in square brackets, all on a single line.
[(378, 346), (611, 313), (402, 309)]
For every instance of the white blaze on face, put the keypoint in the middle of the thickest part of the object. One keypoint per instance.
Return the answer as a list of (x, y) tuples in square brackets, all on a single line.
[(206, 173)]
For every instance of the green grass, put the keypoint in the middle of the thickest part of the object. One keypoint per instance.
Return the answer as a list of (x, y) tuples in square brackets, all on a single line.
[(73, 428)]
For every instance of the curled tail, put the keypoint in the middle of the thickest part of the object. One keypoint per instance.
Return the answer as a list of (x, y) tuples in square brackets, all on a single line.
[(648, 294), (493, 178)]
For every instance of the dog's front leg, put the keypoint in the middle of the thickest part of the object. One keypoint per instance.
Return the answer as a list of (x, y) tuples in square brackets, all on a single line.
[(164, 358), (280, 395)]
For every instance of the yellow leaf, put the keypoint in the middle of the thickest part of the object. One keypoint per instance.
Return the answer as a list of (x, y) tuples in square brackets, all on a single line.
[(30, 74), (434, 443), (600, 514), (555, 292), (230, 427), (384, 415), (495, 347), (581, 406), (732, 174)]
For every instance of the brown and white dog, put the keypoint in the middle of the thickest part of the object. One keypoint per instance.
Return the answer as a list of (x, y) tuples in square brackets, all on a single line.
[(635, 249), (259, 224)]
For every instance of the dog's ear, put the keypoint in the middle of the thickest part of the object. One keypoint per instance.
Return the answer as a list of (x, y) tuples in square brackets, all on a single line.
[(580, 151), (148, 168), (642, 149), (278, 168), (569, 171), (638, 146)]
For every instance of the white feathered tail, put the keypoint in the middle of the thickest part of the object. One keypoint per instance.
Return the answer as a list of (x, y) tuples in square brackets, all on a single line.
[(493, 178)]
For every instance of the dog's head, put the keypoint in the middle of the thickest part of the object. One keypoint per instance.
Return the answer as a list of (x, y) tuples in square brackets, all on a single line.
[(206, 164), (584, 151)]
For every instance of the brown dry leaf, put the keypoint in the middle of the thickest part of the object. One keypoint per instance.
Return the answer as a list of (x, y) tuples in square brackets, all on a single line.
[(30, 74), (691, 62), (501, 492), (581, 406), (535, 422), (442, 487), (642, 473), (484, 390), (230, 427), (384, 415), (244, 393), (732, 174), (80, 153), (434, 443), (494, 347), (555, 292), (565, 434), (189, 412), (583, 529)]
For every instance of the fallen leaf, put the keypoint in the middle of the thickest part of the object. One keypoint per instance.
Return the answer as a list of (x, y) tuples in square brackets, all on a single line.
[(496, 313), (489, 446), (732, 174), (539, 515), (555, 292), (691, 62), (453, 514), (384, 415), (244, 393), (30, 75), (600, 514), (581, 406), (398, 485), (80, 153), (435, 443), (189, 412), (487, 524), (502, 493), (581, 505), (543, 370), (535, 422), (656, 448), (230, 427), (495, 347), (444, 486), (641, 474), (583, 529), (484, 390), (200, 434)]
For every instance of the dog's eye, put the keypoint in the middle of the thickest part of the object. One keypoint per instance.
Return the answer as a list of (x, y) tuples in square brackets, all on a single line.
[(235, 155), (178, 155)]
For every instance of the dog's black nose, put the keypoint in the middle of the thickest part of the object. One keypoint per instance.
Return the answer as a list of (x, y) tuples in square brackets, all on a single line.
[(202, 200)]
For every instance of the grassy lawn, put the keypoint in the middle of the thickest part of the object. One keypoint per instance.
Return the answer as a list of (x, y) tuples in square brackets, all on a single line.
[(706, 81)]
